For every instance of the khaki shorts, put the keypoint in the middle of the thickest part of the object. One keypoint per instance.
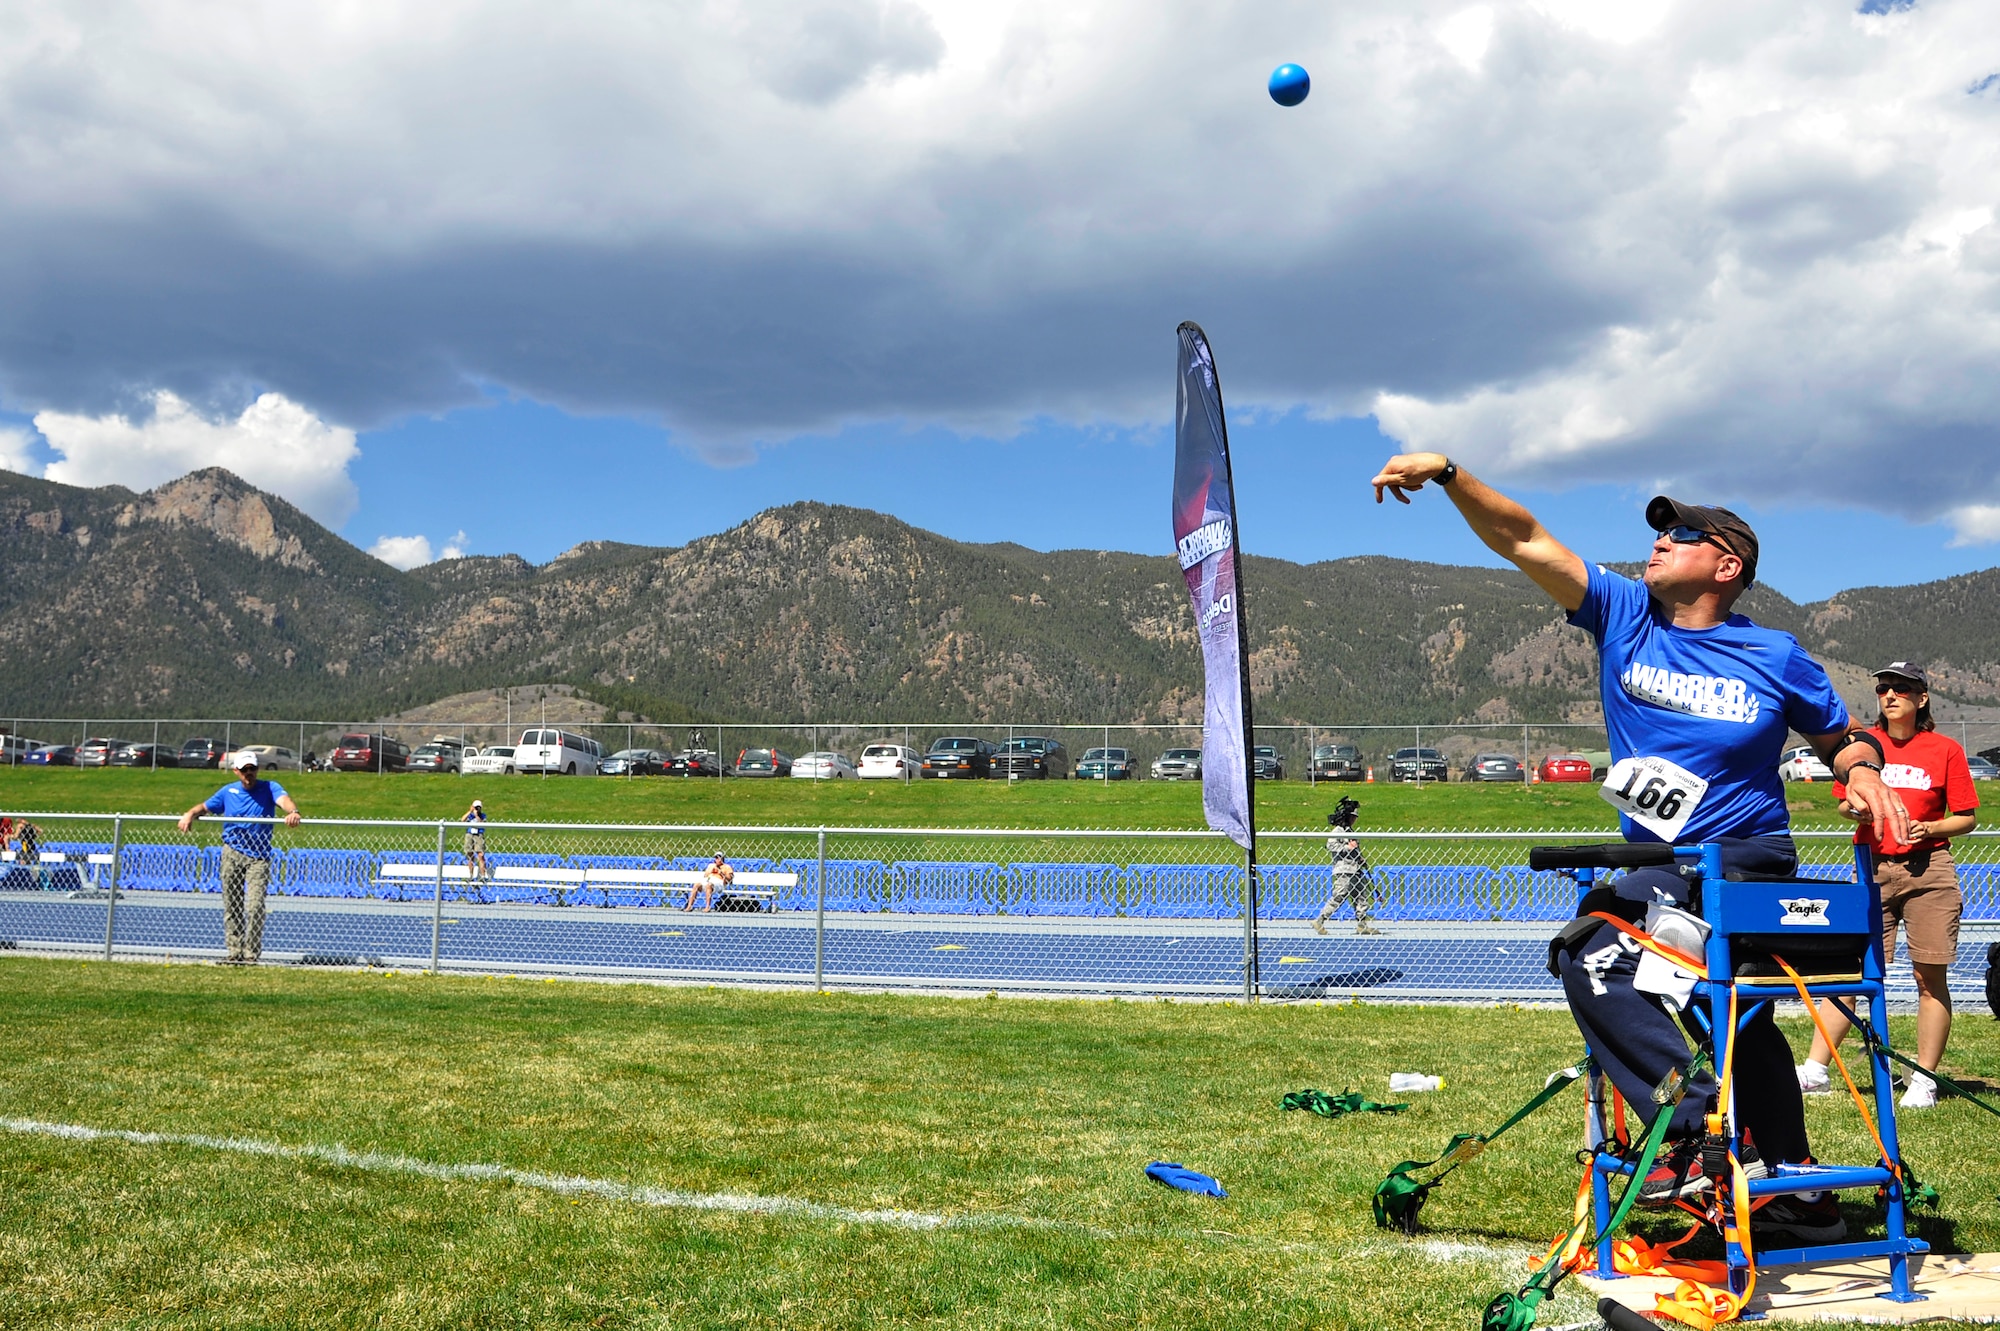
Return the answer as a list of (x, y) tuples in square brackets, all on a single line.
[(1920, 892)]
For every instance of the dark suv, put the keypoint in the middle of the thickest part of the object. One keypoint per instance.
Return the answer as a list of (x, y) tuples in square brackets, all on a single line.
[(1418, 765), (960, 755), (1337, 762), (202, 753), (1265, 764), (762, 762), (1032, 756), (369, 753)]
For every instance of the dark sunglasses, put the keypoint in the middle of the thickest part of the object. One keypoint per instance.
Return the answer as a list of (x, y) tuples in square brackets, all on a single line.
[(1902, 686), (1685, 535)]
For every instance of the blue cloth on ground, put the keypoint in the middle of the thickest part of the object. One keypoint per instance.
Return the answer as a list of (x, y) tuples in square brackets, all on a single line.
[(1187, 1180)]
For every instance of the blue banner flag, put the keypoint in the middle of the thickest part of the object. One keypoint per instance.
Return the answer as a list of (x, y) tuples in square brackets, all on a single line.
[(1205, 538)]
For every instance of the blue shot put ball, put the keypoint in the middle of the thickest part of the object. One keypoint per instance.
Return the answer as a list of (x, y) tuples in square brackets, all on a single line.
[(1289, 85)]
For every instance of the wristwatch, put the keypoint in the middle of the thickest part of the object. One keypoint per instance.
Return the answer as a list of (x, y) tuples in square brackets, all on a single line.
[(1449, 474), (1876, 768)]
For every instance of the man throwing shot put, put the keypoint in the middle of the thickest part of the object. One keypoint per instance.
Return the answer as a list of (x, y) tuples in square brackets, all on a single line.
[(1698, 701), (246, 853)]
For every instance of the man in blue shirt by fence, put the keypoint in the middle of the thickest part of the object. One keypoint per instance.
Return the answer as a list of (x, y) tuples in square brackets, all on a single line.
[(1698, 701), (246, 853)]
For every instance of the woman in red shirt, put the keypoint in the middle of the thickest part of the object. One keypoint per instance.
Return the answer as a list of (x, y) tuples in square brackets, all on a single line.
[(1919, 882)]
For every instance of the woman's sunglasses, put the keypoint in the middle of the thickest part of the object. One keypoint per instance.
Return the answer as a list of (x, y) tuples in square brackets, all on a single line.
[(1899, 686)]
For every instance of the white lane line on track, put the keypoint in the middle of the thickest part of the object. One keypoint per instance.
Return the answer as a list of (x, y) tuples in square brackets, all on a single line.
[(561, 1184)]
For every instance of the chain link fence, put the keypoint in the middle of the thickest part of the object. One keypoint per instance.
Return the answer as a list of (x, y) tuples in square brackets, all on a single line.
[(1415, 916)]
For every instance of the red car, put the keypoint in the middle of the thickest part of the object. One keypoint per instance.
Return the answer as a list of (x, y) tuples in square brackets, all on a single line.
[(1564, 767)]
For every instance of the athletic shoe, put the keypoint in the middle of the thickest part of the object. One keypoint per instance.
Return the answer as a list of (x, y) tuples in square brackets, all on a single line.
[(1677, 1175), (1796, 1218), (1813, 1082), (1922, 1093)]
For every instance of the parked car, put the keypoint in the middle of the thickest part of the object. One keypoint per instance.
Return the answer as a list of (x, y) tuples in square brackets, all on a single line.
[(272, 757), (52, 755), (824, 765), (1425, 764), (202, 752), (1496, 767), (1338, 762), (1106, 765), (1032, 756), (558, 752), (435, 757), (886, 761), (16, 748), (1178, 765), (1600, 762), (635, 762), (960, 755), (1265, 764), (97, 752), (762, 762), (146, 755), (1565, 767), (1983, 769), (369, 753), (493, 760), (697, 762), (1802, 764)]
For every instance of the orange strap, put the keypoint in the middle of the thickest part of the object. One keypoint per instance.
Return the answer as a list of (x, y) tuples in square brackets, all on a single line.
[(1647, 941), (1703, 1304), (1895, 1167)]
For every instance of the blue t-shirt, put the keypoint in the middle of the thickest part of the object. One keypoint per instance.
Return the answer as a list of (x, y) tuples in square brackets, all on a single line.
[(1717, 701), (233, 801)]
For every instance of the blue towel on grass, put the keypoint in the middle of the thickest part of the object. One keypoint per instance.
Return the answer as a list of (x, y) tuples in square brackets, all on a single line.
[(1187, 1180)]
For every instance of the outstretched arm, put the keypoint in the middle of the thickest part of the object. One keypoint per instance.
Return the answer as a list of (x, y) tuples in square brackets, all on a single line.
[(1508, 529), (1869, 798)]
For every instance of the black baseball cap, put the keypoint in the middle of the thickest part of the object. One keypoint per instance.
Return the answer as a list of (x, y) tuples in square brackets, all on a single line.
[(1906, 670), (1663, 513)]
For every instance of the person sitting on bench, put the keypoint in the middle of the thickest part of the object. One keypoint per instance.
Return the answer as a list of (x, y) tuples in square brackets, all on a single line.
[(716, 877)]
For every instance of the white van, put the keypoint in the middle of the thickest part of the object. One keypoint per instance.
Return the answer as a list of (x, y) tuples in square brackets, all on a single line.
[(557, 751), (892, 761)]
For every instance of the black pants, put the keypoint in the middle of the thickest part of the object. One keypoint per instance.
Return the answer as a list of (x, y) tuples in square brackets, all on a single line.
[(1637, 1042)]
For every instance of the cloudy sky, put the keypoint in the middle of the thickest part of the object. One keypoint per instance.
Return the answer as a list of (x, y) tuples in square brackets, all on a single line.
[(481, 276)]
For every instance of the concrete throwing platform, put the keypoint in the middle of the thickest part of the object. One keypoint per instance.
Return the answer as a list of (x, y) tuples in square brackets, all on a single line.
[(1961, 1288)]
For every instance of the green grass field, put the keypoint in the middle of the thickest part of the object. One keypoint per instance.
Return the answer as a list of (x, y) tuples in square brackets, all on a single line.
[(1036, 804), (1027, 1122)]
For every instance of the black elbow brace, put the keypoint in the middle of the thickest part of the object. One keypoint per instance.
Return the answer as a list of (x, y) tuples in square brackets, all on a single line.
[(1859, 737)]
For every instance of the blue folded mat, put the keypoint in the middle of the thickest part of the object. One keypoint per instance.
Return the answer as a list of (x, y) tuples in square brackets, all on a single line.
[(1187, 1180)]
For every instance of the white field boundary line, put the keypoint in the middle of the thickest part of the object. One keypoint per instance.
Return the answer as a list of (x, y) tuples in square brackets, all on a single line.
[(563, 1185), (567, 1185)]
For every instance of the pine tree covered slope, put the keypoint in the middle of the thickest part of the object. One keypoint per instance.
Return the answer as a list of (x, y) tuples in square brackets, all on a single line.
[(208, 596)]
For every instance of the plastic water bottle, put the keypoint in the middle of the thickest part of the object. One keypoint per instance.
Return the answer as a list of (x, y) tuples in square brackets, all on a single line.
[(1404, 1082)]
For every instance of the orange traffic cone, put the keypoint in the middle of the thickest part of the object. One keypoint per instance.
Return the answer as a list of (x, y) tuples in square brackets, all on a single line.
[(1371, 777)]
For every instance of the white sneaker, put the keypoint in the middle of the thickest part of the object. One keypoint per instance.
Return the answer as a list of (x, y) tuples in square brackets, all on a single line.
[(1922, 1093), (1813, 1082)]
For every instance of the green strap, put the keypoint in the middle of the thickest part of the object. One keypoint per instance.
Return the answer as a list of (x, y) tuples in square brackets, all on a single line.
[(1334, 1106), (1875, 1044), (1516, 1312), (1401, 1195)]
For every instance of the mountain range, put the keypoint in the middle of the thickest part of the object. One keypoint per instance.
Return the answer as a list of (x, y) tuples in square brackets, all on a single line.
[(207, 596)]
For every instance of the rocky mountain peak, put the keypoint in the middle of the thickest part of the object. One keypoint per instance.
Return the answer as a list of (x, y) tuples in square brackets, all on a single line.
[(220, 502)]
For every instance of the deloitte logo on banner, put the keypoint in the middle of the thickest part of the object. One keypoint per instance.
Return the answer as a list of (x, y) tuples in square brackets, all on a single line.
[(1204, 541)]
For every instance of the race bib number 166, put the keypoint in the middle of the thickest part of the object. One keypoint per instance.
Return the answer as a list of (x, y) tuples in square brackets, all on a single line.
[(1658, 795)]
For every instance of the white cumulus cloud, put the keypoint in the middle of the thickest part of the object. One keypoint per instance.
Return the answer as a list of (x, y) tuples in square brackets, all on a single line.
[(404, 552), (274, 443), (408, 552), (14, 454)]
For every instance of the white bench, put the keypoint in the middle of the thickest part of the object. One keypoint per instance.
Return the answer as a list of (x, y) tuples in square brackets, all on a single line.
[(561, 882), (755, 887), (91, 862)]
